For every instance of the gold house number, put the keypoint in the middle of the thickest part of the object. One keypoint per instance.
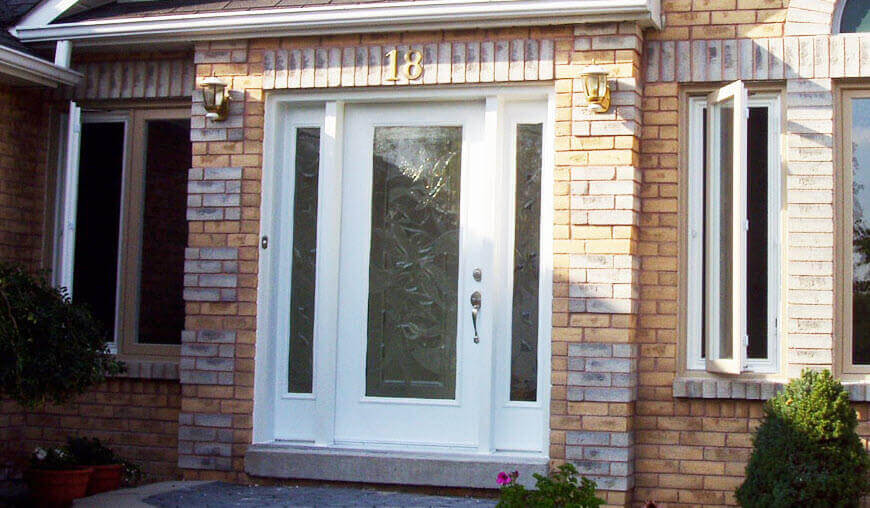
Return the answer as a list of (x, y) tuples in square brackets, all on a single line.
[(411, 69)]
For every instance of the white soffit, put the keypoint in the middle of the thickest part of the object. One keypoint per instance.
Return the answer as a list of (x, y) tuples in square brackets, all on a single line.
[(337, 18), (23, 68)]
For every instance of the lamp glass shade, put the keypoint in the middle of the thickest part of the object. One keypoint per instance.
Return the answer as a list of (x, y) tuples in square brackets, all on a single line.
[(208, 96), (595, 86), (602, 85)]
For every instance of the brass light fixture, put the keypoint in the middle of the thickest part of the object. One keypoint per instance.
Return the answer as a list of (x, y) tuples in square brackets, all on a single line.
[(595, 86), (216, 99)]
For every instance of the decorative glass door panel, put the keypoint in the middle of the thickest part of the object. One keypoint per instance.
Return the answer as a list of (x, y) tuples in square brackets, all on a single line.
[(414, 262), (413, 219)]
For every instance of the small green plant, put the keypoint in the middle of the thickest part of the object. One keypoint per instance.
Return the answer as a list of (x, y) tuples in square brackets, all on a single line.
[(56, 459), (806, 451), (562, 489), (50, 348), (91, 452)]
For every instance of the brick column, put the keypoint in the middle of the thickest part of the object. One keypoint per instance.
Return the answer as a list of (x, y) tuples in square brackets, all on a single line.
[(217, 353), (597, 268)]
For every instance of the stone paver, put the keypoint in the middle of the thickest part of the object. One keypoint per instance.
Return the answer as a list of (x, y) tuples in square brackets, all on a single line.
[(225, 495)]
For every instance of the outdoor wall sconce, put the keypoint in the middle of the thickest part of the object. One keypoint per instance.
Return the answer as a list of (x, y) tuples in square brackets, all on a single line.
[(595, 86), (216, 99)]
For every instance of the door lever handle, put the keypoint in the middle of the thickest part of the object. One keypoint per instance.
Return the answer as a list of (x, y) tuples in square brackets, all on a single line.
[(475, 310)]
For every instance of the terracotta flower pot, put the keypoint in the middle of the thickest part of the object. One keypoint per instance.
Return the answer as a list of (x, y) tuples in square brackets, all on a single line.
[(58, 488), (105, 478)]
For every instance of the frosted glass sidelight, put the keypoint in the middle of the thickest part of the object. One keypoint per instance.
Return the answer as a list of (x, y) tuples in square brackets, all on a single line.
[(527, 235), (304, 254), (414, 262)]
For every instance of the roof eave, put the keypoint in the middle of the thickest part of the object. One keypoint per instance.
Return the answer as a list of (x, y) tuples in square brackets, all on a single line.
[(35, 70), (338, 19)]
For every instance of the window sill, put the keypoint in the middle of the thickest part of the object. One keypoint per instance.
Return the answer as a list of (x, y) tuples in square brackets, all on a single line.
[(750, 389), (859, 391), (739, 389), (143, 369)]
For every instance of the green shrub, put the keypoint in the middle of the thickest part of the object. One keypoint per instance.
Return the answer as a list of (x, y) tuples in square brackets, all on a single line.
[(560, 490), (806, 451), (50, 348)]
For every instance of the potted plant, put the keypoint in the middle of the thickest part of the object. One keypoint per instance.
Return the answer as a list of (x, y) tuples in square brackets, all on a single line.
[(54, 478), (107, 466)]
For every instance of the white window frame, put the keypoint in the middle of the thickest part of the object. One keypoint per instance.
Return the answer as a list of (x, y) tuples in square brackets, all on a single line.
[(66, 229), (695, 359)]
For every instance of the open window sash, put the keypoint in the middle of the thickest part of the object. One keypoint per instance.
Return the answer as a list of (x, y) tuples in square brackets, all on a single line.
[(726, 225), (66, 228)]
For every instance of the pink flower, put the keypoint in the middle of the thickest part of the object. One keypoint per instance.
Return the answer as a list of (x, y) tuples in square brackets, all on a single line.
[(503, 479)]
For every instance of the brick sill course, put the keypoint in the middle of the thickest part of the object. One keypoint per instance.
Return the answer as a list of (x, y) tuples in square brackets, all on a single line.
[(749, 389), (144, 369)]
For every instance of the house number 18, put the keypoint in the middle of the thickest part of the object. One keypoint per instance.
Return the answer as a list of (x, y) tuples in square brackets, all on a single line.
[(411, 69)]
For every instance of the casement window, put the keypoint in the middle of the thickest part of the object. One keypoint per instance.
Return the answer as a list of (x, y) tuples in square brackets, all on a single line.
[(121, 225), (854, 237), (734, 181)]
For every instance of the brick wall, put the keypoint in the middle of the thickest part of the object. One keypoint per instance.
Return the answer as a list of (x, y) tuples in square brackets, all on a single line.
[(722, 19), (136, 418), (23, 154)]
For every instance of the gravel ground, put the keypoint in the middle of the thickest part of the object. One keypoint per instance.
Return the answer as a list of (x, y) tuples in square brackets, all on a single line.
[(225, 495)]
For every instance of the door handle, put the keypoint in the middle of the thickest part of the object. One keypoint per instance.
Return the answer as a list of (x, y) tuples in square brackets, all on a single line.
[(475, 310)]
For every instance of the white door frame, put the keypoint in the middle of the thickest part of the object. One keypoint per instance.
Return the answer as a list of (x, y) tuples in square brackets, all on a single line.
[(278, 106)]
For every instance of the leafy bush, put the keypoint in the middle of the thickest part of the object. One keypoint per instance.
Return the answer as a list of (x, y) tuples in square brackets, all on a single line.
[(561, 489), (50, 348), (806, 451), (91, 452)]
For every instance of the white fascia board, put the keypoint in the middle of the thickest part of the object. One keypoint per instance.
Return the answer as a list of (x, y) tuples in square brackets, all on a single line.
[(34, 69), (351, 18)]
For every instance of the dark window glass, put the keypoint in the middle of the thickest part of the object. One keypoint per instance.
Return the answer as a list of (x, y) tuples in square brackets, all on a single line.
[(860, 137), (856, 17), (527, 240), (164, 231), (98, 214), (757, 247), (704, 244), (301, 371)]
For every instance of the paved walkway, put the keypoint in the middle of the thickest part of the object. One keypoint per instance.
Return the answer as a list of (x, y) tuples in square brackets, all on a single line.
[(225, 495)]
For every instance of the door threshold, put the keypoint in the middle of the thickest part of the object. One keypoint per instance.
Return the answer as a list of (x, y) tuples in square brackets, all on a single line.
[(479, 471)]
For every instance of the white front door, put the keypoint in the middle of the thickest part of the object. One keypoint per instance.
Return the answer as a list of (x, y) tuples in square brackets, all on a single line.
[(416, 217), (405, 277)]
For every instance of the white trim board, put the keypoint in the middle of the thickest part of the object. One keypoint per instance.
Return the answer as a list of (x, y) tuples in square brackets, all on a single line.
[(32, 69), (334, 19)]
